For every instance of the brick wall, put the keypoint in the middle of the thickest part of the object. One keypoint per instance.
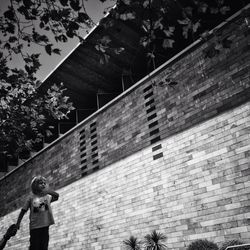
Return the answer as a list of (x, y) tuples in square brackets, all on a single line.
[(175, 157), (199, 189)]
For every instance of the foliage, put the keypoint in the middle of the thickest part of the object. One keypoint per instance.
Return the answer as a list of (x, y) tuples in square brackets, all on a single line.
[(163, 23), (46, 23), (132, 243), (202, 244), (24, 111), (29, 21), (233, 243), (153, 241)]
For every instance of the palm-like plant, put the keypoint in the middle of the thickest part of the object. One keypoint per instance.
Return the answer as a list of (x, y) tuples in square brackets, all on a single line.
[(153, 241), (132, 243)]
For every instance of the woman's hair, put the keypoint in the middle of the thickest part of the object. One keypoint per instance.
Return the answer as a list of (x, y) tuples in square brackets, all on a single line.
[(35, 182)]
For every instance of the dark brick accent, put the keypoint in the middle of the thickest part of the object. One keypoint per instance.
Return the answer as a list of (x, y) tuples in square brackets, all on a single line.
[(153, 124), (155, 157), (156, 131), (92, 124), (150, 102), (93, 130), (83, 161), (93, 136), (147, 88), (93, 142), (151, 117), (156, 139), (155, 148), (148, 95), (151, 109), (84, 167)]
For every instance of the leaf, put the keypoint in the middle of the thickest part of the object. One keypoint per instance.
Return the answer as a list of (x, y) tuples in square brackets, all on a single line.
[(168, 43), (169, 32), (7, 46), (145, 41), (73, 26), (189, 11), (145, 4), (70, 33), (34, 12), (82, 17), (185, 30), (10, 28), (75, 5), (203, 7), (12, 39), (104, 59), (65, 12), (100, 48), (10, 14), (55, 15), (62, 38), (158, 24), (45, 18), (48, 133), (27, 3), (224, 10), (48, 48), (127, 16), (214, 10), (105, 40), (184, 21), (28, 69), (119, 50), (22, 9), (41, 25), (56, 51), (151, 55), (196, 26), (64, 2)]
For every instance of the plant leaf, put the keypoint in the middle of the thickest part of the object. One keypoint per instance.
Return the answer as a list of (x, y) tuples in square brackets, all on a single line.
[(168, 43), (48, 48)]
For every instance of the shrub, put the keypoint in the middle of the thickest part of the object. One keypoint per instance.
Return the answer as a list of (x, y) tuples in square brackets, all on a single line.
[(154, 241), (132, 243), (202, 245)]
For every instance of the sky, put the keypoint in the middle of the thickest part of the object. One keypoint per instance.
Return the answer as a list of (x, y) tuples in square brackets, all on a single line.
[(94, 9)]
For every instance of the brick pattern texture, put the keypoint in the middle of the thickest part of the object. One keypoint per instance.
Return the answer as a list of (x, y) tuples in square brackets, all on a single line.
[(174, 158), (200, 188)]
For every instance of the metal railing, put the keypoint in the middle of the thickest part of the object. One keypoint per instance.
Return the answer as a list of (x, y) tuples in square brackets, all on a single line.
[(239, 247)]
